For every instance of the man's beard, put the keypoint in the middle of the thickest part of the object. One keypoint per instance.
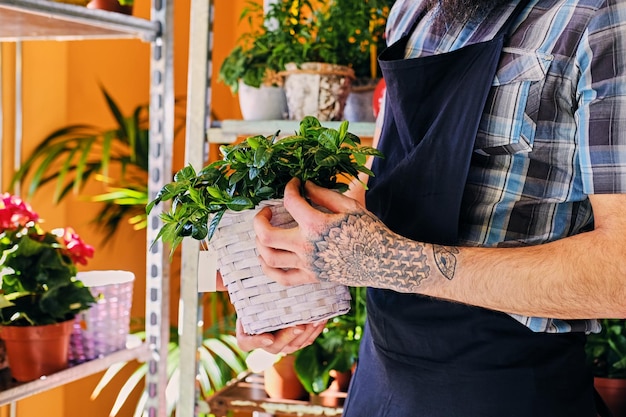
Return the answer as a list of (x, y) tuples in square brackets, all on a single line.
[(462, 11)]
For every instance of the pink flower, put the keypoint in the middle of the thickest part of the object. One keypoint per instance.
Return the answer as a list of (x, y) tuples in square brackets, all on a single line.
[(79, 251), (15, 213)]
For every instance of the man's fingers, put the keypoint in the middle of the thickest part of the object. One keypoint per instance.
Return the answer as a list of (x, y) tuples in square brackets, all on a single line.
[(271, 236), (332, 200), (248, 342), (299, 208), (286, 340), (287, 276), (309, 333)]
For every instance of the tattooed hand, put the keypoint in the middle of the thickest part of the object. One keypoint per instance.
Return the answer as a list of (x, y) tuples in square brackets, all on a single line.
[(349, 245)]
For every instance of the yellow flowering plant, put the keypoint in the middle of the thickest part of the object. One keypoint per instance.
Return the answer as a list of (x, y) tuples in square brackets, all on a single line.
[(342, 32)]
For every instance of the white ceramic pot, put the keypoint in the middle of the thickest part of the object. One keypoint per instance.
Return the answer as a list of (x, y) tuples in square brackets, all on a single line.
[(263, 103)]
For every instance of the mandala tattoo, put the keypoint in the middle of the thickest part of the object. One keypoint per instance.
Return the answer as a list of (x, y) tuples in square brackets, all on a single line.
[(445, 259), (360, 251)]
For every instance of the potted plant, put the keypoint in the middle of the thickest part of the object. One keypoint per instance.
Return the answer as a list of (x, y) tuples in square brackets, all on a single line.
[(252, 173), (250, 69), (606, 355), (337, 38), (341, 47), (334, 353), (257, 170), (71, 156), (118, 6), (40, 292)]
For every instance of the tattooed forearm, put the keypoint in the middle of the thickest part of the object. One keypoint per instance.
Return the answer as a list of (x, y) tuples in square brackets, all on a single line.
[(360, 251), (445, 259)]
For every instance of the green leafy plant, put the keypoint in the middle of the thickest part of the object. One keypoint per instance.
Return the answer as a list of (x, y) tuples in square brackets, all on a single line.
[(606, 351), (38, 268), (351, 33), (71, 156), (336, 349), (255, 170), (343, 32), (266, 47), (219, 360)]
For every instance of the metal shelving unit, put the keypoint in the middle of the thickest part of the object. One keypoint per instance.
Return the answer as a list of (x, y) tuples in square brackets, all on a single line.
[(23, 20), (199, 134), (229, 130)]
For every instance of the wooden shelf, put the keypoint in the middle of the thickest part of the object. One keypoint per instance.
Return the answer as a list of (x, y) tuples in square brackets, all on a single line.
[(246, 394), (49, 20)]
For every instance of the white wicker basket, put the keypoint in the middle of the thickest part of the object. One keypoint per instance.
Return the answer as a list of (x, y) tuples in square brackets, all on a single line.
[(262, 304)]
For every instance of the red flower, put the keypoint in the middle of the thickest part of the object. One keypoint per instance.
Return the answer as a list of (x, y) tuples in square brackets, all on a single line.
[(78, 250), (15, 213)]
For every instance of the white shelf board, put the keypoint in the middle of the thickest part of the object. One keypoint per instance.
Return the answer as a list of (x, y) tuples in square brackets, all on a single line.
[(231, 129), (12, 391), (49, 20)]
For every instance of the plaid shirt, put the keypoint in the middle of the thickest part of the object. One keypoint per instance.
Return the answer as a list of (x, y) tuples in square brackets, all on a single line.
[(554, 126)]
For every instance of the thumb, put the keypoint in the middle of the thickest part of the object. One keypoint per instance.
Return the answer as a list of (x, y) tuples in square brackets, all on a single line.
[(331, 200)]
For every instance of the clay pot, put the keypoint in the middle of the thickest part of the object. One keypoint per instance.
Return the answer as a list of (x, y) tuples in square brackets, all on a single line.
[(613, 392), (111, 6), (335, 395), (35, 351), (281, 380)]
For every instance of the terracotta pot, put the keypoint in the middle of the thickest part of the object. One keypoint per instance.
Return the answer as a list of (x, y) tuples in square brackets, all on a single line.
[(35, 351), (111, 6), (335, 395), (613, 392), (281, 380)]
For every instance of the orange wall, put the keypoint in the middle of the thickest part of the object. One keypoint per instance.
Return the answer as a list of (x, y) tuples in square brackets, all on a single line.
[(60, 87)]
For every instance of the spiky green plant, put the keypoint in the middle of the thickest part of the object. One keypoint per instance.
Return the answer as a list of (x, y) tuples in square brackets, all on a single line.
[(73, 155)]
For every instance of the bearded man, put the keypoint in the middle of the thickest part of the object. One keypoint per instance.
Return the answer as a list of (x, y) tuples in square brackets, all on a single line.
[(492, 235)]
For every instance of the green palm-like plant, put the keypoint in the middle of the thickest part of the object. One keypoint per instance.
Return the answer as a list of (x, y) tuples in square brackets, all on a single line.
[(71, 156), (220, 360)]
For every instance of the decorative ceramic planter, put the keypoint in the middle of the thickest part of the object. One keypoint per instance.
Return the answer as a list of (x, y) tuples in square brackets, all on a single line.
[(359, 104), (35, 351), (263, 103), (317, 89), (103, 328)]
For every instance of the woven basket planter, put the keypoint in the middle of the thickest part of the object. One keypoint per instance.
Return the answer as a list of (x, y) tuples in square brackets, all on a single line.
[(317, 89), (262, 304)]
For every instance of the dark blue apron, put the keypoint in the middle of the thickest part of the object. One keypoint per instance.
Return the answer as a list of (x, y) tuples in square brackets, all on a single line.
[(422, 357)]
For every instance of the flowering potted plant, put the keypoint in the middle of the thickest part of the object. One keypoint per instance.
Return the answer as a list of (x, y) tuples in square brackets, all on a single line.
[(39, 285)]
